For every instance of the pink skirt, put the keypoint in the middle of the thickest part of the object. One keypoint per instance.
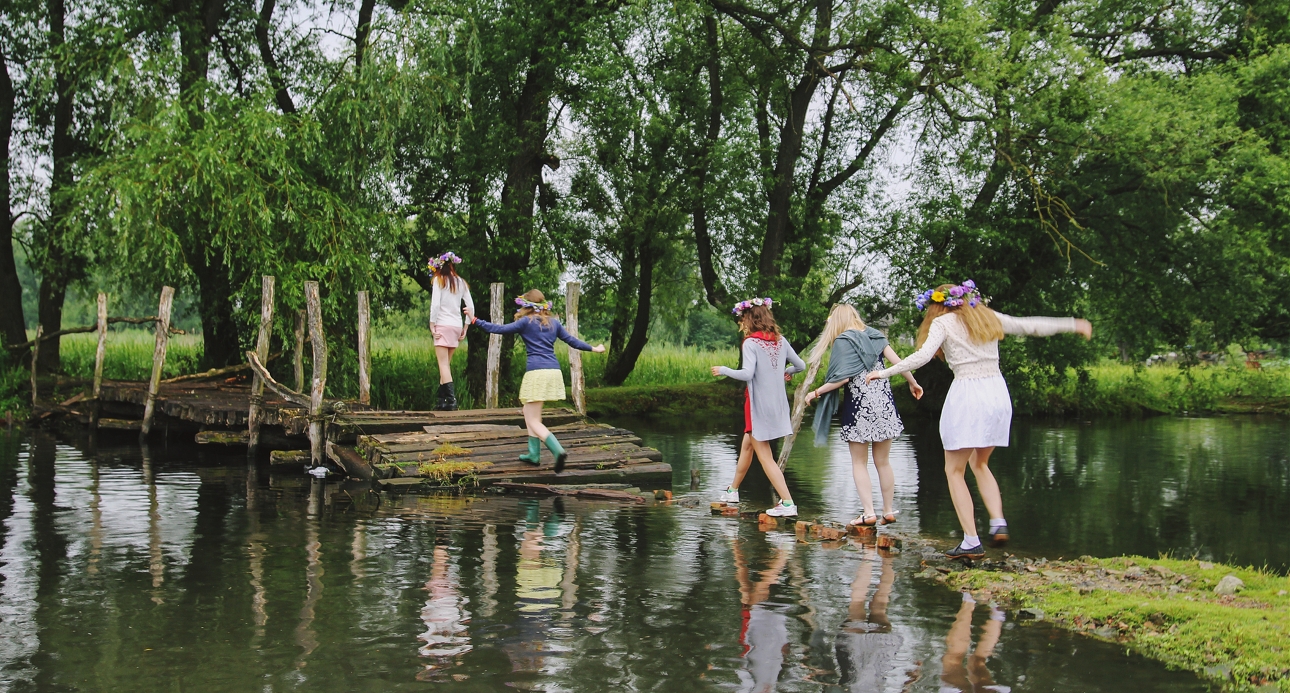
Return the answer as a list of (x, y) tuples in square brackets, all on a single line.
[(447, 336)]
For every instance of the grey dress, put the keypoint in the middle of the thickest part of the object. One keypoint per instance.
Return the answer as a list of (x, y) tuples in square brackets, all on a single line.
[(764, 368)]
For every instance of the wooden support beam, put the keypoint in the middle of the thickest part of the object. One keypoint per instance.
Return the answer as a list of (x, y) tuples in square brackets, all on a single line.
[(261, 351), (317, 434), (35, 358), (577, 381), (299, 364), (364, 350), (158, 356), (100, 354), (492, 378)]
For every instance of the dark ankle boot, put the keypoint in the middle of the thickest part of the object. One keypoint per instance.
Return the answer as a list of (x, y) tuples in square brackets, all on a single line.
[(450, 397), (441, 399)]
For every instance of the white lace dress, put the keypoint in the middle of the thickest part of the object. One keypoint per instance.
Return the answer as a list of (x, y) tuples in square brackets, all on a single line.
[(869, 411)]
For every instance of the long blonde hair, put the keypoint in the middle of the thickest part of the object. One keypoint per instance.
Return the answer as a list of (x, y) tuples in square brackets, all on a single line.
[(981, 322), (842, 318)]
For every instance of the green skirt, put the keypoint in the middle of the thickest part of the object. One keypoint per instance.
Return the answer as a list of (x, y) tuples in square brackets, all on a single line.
[(545, 385)]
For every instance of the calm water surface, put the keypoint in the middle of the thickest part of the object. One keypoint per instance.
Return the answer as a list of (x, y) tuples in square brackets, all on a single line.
[(174, 568)]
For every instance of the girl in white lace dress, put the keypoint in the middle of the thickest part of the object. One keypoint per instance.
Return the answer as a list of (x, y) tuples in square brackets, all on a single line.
[(977, 416)]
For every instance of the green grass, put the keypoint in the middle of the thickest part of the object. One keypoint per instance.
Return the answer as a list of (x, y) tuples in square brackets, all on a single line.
[(1237, 642), (129, 355)]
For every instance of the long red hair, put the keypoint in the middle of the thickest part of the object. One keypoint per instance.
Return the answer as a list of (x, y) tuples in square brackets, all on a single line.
[(446, 276)]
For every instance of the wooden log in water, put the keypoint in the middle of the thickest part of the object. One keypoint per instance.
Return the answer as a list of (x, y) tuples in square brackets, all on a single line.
[(349, 460), (262, 352), (158, 356), (279, 457), (100, 354), (799, 410), (493, 372), (364, 347), (577, 381), (313, 306)]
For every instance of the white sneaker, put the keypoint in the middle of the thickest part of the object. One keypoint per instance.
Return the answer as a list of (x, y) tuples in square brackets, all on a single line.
[(729, 496), (782, 510)]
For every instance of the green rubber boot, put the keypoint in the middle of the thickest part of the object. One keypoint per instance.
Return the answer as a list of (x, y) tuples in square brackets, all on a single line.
[(534, 455), (558, 450)]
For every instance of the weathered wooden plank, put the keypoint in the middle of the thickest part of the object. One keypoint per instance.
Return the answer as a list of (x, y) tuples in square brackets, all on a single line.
[(222, 437), (472, 428), (120, 424), (318, 384), (100, 354), (577, 383), (493, 371), (458, 433), (262, 351), (659, 473), (364, 355), (349, 460), (568, 436), (158, 356), (289, 457), (615, 454), (298, 365)]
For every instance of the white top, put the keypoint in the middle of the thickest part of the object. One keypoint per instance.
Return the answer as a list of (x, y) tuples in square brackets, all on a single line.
[(968, 359), (445, 304)]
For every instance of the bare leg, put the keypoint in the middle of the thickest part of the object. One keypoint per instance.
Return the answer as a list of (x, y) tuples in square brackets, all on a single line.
[(768, 464), (860, 473), (886, 478), (444, 356), (957, 642), (533, 420), (985, 483), (977, 672), (955, 464), (860, 589), (744, 461)]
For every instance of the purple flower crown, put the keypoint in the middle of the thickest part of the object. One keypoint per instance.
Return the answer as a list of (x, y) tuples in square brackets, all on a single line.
[(955, 296), (525, 303), (741, 306), (437, 262)]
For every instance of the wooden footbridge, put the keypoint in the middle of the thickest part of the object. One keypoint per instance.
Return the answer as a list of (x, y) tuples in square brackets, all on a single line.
[(245, 406)]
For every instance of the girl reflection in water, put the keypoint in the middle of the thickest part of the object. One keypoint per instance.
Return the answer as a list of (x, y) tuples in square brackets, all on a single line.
[(956, 678), (866, 648), (764, 630)]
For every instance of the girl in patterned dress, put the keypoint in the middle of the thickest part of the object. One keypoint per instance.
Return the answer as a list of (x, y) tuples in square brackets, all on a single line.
[(869, 416)]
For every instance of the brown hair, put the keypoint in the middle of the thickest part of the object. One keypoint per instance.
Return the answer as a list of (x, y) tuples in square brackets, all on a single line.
[(535, 296), (758, 319), (981, 322), (446, 276)]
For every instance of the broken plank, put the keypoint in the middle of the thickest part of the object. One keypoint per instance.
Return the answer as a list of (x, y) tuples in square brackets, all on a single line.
[(473, 428), (288, 457)]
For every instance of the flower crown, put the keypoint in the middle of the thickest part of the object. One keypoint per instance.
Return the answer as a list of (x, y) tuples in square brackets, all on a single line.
[(525, 303), (741, 306), (437, 262), (953, 298)]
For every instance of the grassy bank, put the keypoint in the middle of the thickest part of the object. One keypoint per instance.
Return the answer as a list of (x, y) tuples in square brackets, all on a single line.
[(1163, 608)]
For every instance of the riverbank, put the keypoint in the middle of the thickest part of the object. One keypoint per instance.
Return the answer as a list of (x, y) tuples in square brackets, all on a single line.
[(1186, 613)]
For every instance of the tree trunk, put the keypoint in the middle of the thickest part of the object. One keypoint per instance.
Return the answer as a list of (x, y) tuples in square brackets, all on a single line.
[(221, 345), (362, 33), (623, 361), (55, 266), (12, 324), (280, 92), (712, 287)]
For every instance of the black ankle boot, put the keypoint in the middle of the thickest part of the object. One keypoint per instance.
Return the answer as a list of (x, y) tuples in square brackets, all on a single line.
[(450, 397), (441, 397)]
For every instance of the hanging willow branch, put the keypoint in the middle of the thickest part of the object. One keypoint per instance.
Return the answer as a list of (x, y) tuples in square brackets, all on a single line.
[(1048, 207)]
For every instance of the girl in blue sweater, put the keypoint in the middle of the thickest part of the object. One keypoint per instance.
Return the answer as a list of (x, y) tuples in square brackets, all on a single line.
[(543, 381)]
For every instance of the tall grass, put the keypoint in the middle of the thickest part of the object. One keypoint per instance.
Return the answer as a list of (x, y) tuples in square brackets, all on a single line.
[(129, 355)]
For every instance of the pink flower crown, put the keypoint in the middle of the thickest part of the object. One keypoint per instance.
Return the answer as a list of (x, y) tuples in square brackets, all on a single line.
[(741, 306), (437, 262), (539, 307), (955, 296)]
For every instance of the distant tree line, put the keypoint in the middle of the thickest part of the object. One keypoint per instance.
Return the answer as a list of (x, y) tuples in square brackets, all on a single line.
[(1120, 159)]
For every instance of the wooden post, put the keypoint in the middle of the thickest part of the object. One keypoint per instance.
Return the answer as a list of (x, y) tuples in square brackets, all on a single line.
[(313, 307), (577, 382), (262, 352), (100, 353), (364, 349), (35, 357), (300, 352), (799, 410), (492, 379), (158, 356)]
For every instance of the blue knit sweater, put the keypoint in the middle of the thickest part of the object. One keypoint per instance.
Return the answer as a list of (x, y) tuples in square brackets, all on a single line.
[(539, 341)]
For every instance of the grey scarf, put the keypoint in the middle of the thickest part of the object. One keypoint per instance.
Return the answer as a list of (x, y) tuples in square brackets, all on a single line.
[(854, 354)]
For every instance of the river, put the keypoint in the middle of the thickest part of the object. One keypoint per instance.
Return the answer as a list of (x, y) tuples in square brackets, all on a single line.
[(173, 567)]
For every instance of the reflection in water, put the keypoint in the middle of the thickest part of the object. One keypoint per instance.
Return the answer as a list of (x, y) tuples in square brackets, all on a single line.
[(483, 593), (975, 676)]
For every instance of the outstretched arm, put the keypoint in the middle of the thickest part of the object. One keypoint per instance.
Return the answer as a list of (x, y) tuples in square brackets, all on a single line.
[(470, 302), (1043, 327), (894, 358), (935, 337), (746, 373), (508, 328), (571, 340)]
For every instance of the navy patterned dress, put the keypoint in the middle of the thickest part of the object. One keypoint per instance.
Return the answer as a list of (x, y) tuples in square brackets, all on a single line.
[(869, 411)]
